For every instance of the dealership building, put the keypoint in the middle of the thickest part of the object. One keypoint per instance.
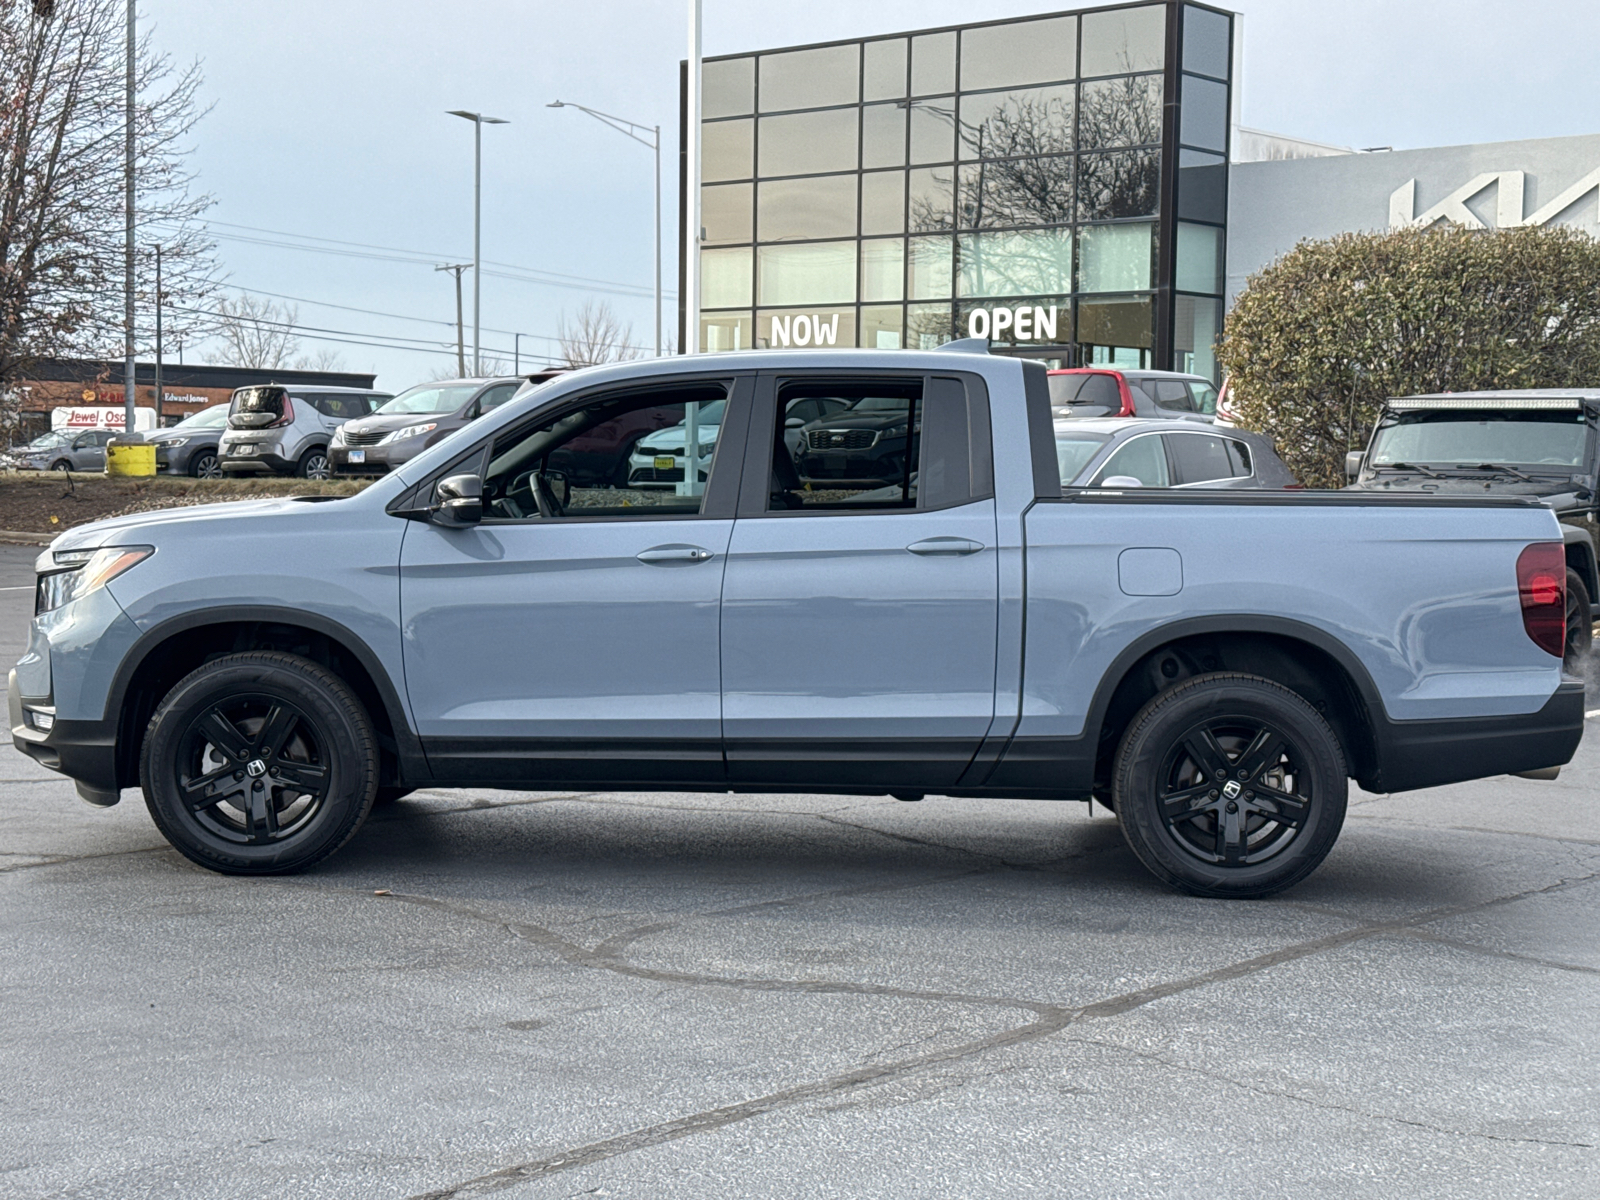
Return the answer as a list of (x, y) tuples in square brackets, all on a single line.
[(1076, 187)]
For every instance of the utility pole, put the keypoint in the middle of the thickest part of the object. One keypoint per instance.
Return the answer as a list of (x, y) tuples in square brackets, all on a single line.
[(461, 349), (478, 122), (128, 348), (158, 335)]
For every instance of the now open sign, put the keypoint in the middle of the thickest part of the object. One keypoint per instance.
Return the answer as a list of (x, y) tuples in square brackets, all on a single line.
[(1025, 323)]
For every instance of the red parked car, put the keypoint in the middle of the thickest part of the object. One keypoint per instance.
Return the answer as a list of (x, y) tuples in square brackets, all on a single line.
[(1111, 392)]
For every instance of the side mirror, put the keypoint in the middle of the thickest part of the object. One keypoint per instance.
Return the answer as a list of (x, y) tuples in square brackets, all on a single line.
[(460, 501), (1352, 464), (1121, 481), (792, 422)]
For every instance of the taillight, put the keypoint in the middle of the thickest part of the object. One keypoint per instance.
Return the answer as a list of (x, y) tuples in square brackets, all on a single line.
[(288, 414), (1542, 588), (1128, 409)]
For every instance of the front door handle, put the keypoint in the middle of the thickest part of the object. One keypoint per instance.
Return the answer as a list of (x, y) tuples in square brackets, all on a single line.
[(667, 555), (945, 546)]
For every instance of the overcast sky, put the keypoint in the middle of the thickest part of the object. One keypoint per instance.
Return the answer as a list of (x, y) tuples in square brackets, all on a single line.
[(329, 122)]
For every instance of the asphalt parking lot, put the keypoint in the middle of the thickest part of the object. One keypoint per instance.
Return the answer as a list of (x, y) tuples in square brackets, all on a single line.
[(552, 995)]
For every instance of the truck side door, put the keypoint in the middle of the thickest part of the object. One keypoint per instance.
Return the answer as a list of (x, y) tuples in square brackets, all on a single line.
[(572, 634), (860, 601)]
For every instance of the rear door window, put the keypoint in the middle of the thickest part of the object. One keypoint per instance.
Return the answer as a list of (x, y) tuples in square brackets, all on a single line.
[(1200, 457), (1239, 456), (496, 396), (1143, 459), (1170, 393), (1205, 398)]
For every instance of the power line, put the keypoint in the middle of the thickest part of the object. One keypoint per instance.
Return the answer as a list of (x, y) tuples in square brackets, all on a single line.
[(367, 250)]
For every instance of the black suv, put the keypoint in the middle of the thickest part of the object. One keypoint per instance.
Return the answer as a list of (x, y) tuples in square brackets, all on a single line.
[(1528, 442)]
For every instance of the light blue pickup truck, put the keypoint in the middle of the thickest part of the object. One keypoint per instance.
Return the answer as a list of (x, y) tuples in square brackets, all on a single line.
[(928, 610)]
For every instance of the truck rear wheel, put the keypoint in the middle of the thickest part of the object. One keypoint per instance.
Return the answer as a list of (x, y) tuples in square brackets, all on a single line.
[(1580, 625), (259, 763), (1230, 785)]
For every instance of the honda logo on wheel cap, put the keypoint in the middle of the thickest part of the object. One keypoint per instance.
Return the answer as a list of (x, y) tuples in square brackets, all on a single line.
[(256, 768)]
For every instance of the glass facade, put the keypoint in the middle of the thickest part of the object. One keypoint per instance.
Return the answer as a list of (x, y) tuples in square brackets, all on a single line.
[(1058, 183)]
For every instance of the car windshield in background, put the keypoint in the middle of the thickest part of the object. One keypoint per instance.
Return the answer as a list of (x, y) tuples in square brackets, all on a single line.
[(1074, 451), (48, 441), (879, 404), (429, 398), (206, 418), (1553, 439)]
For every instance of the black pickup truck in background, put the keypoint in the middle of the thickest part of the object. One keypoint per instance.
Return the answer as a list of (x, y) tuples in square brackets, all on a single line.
[(1529, 442)]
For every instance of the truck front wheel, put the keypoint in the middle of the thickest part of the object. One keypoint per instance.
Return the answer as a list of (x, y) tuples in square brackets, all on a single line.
[(259, 763), (1230, 785)]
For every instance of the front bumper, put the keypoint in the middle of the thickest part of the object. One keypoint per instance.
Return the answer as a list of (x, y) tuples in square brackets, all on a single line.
[(376, 460), (84, 751)]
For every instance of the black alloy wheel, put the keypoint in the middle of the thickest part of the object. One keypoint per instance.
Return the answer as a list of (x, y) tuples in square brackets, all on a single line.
[(1580, 625), (206, 465), (314, 464), (1230, 785), (259, 763)]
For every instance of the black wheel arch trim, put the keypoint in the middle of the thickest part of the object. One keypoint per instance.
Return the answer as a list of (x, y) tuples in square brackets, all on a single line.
[(1575, 537), (408, 748)]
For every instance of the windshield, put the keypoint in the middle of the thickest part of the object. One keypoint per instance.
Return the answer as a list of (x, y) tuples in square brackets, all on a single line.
[(879, 404), (1074, 451), (214, 417), (430, 398), (46, 441), (710, 414), (1548, 439)]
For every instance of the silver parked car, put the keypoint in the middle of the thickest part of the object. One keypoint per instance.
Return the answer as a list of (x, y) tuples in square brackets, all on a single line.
[(66, 450), (286, 429)]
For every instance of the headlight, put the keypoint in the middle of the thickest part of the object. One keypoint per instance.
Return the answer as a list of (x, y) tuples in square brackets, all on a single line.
[(410, 431), (895, 430), (172, 443), (338, 434), (79, 572)]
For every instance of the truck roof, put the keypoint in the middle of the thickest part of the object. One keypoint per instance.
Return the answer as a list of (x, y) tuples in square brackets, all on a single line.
[(1507, 398)]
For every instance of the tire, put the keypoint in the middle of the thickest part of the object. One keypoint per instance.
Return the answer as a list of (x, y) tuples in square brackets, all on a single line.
[(206, 465), (314, 464), (1237, 839), (61, 464), (1580, 625), (253, 713)]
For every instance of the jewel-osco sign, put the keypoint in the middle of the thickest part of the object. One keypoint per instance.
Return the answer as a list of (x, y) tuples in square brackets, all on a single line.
[(1025, 323)]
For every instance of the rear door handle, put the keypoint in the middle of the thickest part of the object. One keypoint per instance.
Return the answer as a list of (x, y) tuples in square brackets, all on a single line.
[(667, 555), (945, 546)]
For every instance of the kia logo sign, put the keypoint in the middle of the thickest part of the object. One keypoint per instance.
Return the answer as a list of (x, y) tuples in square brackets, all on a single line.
[(1023, 324)]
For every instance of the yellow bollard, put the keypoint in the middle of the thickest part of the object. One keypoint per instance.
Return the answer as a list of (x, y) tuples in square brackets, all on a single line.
[(130, 459)]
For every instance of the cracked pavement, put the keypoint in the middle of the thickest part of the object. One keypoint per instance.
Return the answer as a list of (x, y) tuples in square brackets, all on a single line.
[(523, 995)]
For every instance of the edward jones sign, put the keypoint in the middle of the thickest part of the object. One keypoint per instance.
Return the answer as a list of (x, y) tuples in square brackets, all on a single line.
[(1022, 324)]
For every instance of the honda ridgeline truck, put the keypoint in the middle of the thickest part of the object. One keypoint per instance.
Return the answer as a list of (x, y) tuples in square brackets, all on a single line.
[(1214, 665)]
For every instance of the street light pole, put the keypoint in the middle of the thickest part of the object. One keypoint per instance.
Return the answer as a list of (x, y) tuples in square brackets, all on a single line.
[(158, 335), (691, 216), (634, 130), (478, 122), (128, 348)]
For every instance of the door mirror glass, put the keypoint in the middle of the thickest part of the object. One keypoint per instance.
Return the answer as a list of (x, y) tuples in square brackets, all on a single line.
[(792, 422), (460, 501)]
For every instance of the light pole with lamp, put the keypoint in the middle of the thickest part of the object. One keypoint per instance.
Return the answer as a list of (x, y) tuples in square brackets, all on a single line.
[(634, 130), (478, 122)]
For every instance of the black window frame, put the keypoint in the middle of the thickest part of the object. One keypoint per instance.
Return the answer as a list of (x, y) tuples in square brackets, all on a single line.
[(722, 489), (761, 440)]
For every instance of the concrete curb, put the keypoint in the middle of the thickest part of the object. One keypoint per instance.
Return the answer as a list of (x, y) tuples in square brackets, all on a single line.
[(27, 539)]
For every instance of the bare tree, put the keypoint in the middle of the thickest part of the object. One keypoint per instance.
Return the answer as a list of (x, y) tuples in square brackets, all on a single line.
[(62, 72), (325, 359), (256, 332), (596, 335)]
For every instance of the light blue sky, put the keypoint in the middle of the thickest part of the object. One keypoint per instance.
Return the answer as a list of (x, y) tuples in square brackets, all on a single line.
[(330, 121)]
